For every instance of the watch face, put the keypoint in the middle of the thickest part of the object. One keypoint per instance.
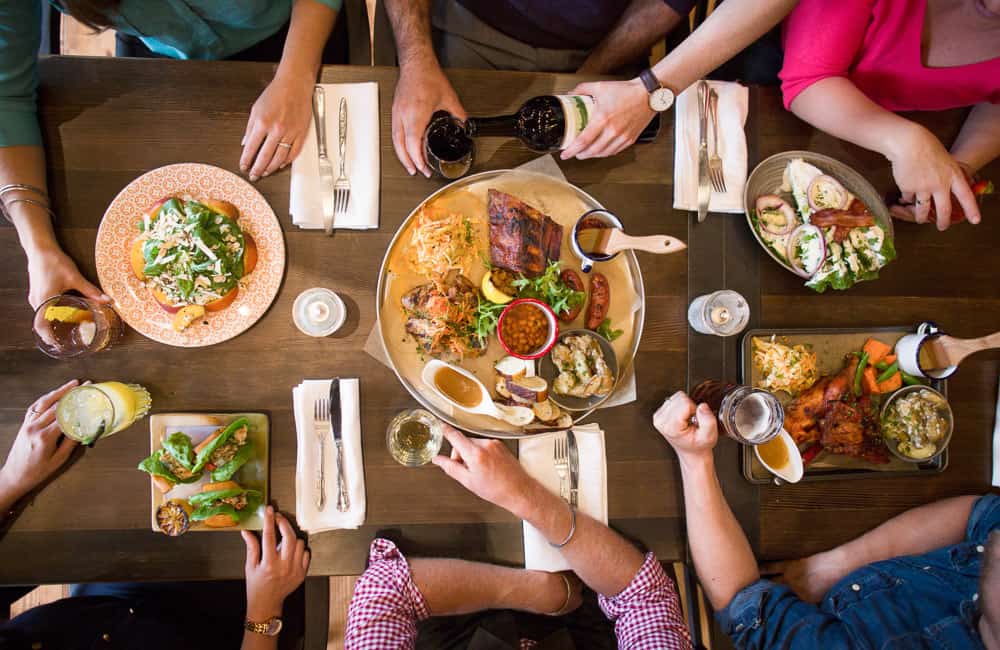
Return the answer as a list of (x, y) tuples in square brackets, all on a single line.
[(661, 99), (274, 627)]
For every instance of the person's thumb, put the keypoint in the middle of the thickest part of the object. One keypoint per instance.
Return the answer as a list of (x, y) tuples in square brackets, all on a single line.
[(706, 419)]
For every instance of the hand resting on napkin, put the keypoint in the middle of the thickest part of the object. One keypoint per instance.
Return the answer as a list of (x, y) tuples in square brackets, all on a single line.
[(598, 555)]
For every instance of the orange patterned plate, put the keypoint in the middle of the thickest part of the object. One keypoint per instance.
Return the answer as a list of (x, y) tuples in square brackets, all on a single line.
[(132, 299)]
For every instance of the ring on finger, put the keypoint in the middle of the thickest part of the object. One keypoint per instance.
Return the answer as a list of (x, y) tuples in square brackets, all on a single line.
[(920, 202), (31, 409), (287, 145)]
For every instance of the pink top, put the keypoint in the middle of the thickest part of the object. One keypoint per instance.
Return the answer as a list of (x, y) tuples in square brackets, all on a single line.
[(387, 606), (876, 44)]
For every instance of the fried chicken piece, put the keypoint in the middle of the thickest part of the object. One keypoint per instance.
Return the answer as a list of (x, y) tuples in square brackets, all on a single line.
[(842, 429), (803, 413)]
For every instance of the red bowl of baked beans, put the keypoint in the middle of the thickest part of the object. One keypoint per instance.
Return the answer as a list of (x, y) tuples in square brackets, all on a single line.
[(527, 328)]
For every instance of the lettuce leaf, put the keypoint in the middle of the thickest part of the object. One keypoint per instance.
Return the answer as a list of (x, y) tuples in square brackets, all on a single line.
[(225, 472)]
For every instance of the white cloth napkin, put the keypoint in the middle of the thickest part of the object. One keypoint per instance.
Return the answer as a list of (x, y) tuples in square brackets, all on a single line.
[(536, 456), (734, 101), (307, 458), (996, 444), (362, 156)]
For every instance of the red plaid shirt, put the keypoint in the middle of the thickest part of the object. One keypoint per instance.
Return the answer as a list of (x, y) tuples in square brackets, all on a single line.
[(387, 606)]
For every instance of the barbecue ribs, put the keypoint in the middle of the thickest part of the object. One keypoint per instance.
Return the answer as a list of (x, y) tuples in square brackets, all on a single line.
[(522, 239)]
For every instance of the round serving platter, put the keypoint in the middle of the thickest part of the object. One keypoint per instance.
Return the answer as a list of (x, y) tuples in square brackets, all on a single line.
[(768, 177), (558, 199), (134, 302)]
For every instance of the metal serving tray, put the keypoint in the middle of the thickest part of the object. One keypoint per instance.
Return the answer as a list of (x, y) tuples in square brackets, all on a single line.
[(830, 346)]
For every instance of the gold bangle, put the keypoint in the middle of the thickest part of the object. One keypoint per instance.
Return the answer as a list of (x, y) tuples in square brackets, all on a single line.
[(572, 529), (13, 187), (569, 596)]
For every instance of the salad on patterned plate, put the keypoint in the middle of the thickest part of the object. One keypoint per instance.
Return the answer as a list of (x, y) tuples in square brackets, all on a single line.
[(191, 255), (829, 237)]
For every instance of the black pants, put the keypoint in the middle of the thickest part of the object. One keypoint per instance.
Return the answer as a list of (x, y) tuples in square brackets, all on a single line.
[(268, 51)]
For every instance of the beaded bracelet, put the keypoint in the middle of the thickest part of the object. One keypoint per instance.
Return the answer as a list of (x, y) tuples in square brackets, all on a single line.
[(572, 530)]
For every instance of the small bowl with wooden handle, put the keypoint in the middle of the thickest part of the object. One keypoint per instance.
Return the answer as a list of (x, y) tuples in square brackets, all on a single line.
[(598, 236)]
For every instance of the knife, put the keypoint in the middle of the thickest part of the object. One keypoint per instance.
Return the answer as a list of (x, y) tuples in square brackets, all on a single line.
[(574, 468), (325, 166), (336, 421), (704, 188)]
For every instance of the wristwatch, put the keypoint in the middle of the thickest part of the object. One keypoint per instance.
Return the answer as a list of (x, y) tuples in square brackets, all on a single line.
[(660, 98), (270, 627)]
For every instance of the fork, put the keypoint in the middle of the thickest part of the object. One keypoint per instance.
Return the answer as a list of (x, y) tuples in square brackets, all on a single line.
[(342, 186), (715, 162), (561, 456), (321, 424)]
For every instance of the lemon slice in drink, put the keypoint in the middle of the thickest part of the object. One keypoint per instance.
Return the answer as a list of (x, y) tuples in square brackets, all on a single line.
[(66, 314), (491, 292)]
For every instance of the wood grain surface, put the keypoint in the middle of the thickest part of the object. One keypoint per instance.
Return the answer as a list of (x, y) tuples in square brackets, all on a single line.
[(106, 121)]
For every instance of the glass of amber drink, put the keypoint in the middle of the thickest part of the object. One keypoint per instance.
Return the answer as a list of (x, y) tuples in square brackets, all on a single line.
[(69, 326)]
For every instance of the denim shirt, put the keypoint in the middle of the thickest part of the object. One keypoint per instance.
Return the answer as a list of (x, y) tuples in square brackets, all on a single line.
[(180, 29), (920, 601)]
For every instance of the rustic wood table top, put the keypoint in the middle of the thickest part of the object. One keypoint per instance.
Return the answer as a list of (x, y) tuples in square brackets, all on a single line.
[(107, 121)]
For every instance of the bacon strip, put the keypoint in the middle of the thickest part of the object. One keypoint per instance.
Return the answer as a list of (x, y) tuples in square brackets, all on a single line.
[(831, 217)]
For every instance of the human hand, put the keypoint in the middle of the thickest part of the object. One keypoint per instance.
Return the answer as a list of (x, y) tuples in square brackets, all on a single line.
[(673, 421), (620, 114), (421, 90), (39, 448), (925, 171), (811, 578), (51, 272), (273, 569), (277, 127), (487, 469)]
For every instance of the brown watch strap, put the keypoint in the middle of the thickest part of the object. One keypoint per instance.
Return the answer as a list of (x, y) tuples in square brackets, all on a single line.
[(649, 80)]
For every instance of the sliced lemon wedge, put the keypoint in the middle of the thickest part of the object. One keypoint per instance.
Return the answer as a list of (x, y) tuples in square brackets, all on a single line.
[(491, 292), (187, 315), (66, 314)]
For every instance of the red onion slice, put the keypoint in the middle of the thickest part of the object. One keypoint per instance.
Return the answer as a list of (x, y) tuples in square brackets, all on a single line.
[(836, 194), (771, 203), (790, 251)]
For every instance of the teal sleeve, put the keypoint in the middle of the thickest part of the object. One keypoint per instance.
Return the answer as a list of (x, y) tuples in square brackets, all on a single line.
[(332, 4), (20, 38)]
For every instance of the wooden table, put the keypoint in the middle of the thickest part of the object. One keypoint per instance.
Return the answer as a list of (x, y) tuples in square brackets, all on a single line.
[(107, 121)]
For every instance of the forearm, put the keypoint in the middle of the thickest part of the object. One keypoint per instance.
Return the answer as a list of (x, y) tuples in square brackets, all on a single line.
[(308, 30), (452, 587), (731, 27), (914, 532), (604, 560), (642, 24), (411, 27), (722, 555), (835, 105), (25, 165), (978, 142)]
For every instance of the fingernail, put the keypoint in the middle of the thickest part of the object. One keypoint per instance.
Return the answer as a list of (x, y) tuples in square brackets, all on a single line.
[(243, 168), (411, 171), (254, 178)]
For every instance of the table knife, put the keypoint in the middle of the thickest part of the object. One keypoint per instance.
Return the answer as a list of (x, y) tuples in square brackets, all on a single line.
[(325, 166), (574, 469), (336, 422), (704, 186)]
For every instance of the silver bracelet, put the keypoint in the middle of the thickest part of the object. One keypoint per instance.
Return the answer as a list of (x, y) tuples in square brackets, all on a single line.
[(572, 530), (5, 208), (12, 187)]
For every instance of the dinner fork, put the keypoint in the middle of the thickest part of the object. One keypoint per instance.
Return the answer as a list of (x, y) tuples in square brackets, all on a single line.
[(560, 453), (321, 425), (342, 186), (715, 162)]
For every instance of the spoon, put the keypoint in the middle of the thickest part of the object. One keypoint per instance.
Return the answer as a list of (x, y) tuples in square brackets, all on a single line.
[(613, 240), (518, 416), (947, 351)]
